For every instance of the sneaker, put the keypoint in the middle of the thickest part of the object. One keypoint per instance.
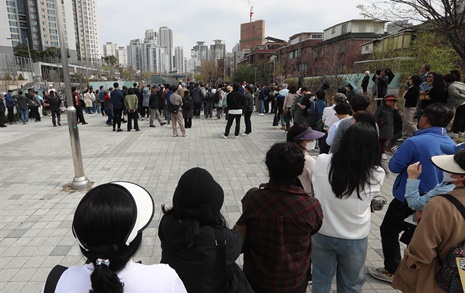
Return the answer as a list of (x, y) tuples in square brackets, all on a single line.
[(59, 124), (236, 137), (453, 135), (84, 123), (381, 274), (137, 129), (224, 137), (461, 134), (175, 135), (244, 134), (184, 135), (384, 157), (283, 127), (163, 123), (261, 114), (119, 130), (152, 126)]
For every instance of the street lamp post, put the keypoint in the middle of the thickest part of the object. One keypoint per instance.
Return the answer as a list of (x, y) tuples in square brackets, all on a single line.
[(80, 180)]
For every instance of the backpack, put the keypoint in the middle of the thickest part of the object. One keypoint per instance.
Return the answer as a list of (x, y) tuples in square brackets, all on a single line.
[(216, 98), (186, 105), (448, 277)]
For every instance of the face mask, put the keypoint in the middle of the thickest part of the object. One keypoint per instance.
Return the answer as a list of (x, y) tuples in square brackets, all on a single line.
[(311, 145), (447, 177)]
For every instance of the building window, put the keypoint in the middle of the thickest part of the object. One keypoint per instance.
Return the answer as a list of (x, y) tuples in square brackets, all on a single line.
[(11, 10), (344, 28), (11, 16)]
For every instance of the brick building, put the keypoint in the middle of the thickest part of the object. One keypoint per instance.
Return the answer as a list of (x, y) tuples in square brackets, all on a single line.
[(252, 34), (341, 44), (295, 59)]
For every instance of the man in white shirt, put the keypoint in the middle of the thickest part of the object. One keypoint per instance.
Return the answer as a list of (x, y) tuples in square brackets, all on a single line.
[(342, 112)]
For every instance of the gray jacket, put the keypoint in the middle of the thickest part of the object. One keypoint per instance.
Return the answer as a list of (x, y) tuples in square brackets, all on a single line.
[(249, 102)]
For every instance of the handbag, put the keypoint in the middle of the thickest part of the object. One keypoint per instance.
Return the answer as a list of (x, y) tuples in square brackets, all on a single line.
[(232, 277)]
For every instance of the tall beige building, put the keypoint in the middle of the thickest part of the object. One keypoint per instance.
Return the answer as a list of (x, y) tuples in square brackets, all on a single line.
[(86, 30)]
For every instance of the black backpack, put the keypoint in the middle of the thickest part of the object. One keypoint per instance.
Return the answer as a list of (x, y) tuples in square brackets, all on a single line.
[(216, 98), (186, 105)]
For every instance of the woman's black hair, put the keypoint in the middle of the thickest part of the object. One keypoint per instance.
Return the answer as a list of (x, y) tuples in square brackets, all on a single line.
[(365, 116), (353, 163), (292, 89), (189, 229), (438, 81), (102, 221), (131, 91), (416, 79)]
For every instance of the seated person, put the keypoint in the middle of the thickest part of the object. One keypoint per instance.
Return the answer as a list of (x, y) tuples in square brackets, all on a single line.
[(108, 225)]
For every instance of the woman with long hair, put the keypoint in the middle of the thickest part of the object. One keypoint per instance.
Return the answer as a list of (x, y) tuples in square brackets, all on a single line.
[(108, 225), (188, 232), (305, 137), (345, 183)]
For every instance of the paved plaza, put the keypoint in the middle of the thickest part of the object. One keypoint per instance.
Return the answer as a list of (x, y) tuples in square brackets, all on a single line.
[(35, 163)]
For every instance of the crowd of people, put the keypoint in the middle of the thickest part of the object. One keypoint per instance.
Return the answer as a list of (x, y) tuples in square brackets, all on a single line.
[(310, 222)]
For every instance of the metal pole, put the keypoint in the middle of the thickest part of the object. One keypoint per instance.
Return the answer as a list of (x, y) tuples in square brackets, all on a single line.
[(30, 59), (80, 180)]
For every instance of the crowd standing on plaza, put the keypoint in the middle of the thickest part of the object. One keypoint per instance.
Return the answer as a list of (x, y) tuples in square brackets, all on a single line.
[(292, 228)]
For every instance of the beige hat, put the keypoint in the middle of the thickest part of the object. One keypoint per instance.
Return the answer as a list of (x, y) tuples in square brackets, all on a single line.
[(454, 164)]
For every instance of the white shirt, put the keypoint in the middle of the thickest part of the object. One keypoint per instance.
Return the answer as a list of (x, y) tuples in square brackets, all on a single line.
[(329, 116), (349, 217), (137, 278), (333, 130)]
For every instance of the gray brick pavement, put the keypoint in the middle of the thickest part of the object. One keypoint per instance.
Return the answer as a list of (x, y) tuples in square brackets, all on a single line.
[(35, 163)]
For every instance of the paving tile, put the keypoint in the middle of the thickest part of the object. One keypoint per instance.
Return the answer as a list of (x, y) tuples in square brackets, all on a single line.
[(35, 222)]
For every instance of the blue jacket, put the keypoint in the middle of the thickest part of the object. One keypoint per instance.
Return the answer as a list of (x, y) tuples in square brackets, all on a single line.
[(117, 99), (424, 144), (10, 102)]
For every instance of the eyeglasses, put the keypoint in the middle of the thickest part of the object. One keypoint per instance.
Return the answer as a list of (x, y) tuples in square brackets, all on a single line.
[(429, 76)]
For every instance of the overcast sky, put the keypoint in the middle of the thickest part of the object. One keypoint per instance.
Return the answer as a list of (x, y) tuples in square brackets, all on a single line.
[(207, 20)]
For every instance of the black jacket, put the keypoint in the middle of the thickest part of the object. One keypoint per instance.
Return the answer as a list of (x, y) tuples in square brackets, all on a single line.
[(235, 100), (153, 102), (411, 96), (196, 266)]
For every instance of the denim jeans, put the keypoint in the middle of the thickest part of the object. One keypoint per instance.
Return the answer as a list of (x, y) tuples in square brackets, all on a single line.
[(24, 115), (343, 257), (261, 108)]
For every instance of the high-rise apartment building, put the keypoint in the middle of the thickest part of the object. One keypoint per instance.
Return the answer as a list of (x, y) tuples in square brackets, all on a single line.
[(153, 58), (87, 32), (134, 51), (179, 59), (252, 34), (109, 49), (217, 50), (122, 56), (200, 51), (165, 40), (35, 22)]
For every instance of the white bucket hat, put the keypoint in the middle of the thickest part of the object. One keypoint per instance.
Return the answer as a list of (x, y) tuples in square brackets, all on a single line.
[(454, 164)]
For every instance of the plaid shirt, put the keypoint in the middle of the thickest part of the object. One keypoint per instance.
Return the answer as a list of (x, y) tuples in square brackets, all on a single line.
[(280, 221)]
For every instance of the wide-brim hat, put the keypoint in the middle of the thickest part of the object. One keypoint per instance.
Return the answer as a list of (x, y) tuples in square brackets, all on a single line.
[(308, 134), (454, 164), (143, 203)]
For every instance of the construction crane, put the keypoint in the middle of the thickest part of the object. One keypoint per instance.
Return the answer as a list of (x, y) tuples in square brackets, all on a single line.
[(251, 10)]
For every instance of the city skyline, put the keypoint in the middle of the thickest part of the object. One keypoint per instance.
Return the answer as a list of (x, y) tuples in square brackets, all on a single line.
[(201, 21)]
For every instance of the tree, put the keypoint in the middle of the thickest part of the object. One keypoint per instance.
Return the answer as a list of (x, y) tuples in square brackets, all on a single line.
[(21, 50), (446, 17), (209, 71), (110, 60), (247, 73), (432, 48)]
